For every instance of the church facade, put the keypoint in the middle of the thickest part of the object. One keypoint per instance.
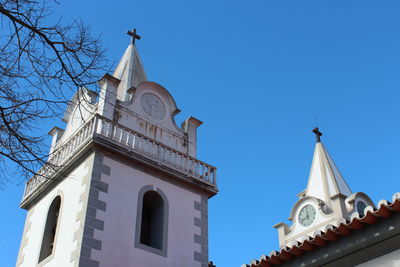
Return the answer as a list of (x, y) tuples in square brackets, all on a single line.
[(122, 186)]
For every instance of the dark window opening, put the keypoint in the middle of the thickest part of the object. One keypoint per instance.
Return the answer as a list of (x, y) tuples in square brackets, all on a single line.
[(50, 229), (151, 233)]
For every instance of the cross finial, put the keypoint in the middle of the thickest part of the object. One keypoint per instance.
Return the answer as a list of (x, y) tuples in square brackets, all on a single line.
[(318, 134), (134, 35)]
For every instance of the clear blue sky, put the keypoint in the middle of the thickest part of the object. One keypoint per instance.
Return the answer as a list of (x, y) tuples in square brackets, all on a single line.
[(261, 75)]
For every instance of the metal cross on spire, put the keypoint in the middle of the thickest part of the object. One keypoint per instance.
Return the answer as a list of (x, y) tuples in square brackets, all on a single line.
[(134, 35), (318, 134)]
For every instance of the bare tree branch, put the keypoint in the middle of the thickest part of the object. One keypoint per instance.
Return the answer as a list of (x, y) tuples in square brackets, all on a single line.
[(40, 63)]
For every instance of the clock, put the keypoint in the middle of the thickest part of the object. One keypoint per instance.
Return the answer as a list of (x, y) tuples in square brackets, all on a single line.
[(153, 106), (360, 208), (307, 215)]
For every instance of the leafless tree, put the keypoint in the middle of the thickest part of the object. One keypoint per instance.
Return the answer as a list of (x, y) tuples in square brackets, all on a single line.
[(40, 60)]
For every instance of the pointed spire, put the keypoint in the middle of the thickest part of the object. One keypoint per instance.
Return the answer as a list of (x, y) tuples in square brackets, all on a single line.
[(130, 71), (325, 179)]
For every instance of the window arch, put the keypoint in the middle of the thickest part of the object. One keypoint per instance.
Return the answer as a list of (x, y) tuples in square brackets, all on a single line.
[(152, 221), (50, 229), (151, 232)]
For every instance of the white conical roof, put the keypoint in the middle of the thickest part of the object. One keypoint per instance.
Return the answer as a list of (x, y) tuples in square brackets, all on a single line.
[(129, 71), (325, 179)]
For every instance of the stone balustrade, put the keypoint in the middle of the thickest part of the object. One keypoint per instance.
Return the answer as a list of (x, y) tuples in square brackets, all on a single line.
[(102, 128)]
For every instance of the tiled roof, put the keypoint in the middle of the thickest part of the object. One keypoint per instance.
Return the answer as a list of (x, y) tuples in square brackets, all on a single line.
[(332, 232)]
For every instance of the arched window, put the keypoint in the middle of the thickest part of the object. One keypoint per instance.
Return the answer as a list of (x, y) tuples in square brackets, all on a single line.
[(151, 233), (152, 221), (50, 229)]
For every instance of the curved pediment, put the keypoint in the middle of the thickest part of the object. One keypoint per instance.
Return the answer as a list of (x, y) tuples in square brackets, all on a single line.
[(351, 201), (150, 111), (154, 103), (78, 111)]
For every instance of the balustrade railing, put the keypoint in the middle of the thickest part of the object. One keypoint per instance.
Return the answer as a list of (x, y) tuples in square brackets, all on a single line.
[(60, 156), (101, 127)]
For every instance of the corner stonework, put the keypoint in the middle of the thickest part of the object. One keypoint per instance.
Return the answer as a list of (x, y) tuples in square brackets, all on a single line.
[(24, 242), (202, 239), (91, 204)]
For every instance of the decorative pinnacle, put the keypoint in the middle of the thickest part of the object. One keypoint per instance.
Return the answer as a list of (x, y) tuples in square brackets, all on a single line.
[(134, 35), (318, 134)]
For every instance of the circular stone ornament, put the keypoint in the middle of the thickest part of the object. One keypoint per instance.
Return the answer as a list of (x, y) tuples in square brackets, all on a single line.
[(153, 106), (307, 215)]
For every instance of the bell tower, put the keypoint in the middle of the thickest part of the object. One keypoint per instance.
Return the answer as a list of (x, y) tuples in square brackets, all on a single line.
[(122, 186), (326, 202)]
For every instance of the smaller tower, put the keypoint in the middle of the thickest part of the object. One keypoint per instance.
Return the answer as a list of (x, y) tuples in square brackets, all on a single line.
[(326, 201)]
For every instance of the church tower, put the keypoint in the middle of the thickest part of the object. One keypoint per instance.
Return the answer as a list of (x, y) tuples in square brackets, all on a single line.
[(122, 186), (327, 201)]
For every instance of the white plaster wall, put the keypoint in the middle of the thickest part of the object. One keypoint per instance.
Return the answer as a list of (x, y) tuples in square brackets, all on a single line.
[(391, 259), (118, 237), (70, 189)]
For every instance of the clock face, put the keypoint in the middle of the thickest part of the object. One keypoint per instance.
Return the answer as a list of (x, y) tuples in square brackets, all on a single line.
[(307, 215), (360, 208), (153, 106)]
